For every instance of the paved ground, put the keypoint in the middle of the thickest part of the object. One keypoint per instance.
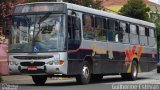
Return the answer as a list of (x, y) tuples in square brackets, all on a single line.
[(24, 79), (146, 81)]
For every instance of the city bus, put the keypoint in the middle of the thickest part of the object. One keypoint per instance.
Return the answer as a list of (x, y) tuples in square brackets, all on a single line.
[(50, 39)]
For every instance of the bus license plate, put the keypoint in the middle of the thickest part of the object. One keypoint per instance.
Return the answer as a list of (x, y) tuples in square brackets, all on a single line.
[(32, 68)]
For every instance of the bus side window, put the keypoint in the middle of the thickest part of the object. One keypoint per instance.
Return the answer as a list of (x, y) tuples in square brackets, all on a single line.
[(100, 32), (88, 24), (77, 28), (111, 29), (133, 34), (104, 28), (142, 35), (151, 38), (74, 34), (123, 33)]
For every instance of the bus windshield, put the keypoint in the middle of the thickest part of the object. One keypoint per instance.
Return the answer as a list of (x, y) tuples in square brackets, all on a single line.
[(37, 33)]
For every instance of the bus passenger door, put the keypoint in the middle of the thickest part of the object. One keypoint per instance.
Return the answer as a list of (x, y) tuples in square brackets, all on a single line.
[(74, 42), (74, 36)]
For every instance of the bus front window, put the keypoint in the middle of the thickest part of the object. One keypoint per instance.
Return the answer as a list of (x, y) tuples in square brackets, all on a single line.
[(37, 33)]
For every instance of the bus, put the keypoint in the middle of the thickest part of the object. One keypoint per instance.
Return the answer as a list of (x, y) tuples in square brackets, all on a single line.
[(49, 39)]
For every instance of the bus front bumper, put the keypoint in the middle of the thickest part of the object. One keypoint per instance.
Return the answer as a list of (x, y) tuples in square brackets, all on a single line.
[(47, 68)]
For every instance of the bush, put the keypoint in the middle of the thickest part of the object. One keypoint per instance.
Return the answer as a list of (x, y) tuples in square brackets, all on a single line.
[(0, 78)]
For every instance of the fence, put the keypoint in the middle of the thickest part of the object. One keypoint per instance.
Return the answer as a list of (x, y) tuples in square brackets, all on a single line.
[(3, 57)]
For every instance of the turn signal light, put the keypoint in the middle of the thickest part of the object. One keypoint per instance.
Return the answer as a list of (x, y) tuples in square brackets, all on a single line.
[(61, 62)]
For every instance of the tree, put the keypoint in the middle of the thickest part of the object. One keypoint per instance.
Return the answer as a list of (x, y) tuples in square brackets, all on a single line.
[(1, 79), (135, 9), (155, 18), (6, 8), (29, 1)]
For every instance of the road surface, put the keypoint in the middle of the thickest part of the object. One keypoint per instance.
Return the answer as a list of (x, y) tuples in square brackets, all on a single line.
[(146, 81)]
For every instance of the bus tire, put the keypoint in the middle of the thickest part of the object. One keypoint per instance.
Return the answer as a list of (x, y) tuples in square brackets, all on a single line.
[(84, 77), (39, 80), (158, 69), (134, 72)]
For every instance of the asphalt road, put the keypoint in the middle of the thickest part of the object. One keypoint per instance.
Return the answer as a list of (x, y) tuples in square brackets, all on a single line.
[(146, 81)]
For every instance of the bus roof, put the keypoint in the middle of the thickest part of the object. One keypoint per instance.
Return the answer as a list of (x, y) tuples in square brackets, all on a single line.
[(100, 13)]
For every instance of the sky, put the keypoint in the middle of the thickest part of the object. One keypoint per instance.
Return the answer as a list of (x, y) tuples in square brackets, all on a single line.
[(155, 1)]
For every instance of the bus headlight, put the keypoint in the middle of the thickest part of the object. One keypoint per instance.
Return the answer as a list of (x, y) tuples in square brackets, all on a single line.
[(56, 62), (50, 63)]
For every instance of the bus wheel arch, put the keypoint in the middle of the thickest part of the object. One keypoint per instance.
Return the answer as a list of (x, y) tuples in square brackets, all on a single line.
[(134, 71), (136, 60), (90, 62), (86, 71)]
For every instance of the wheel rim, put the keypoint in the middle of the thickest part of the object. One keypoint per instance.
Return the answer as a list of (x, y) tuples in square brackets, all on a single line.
[(134, 71), (86, 72)]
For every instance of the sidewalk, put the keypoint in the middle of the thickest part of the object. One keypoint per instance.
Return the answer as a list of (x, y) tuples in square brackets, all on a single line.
[(17, 79), (24, 79)]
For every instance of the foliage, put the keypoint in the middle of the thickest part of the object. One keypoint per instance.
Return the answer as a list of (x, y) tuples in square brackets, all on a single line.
[(1, 79), (6, 8), (155, 18), (29, 1), (135, 9)]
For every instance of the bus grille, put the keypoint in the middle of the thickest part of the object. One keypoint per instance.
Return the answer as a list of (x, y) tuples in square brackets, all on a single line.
[(25, 71), (32, 57), (32, 64)]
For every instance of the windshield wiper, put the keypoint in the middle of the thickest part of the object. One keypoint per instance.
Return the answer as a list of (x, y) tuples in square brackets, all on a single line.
[(41, 20), (44, 17)]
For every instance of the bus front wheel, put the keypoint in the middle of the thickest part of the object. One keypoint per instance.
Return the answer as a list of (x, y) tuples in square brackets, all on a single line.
[(39, 80), (84, 77)]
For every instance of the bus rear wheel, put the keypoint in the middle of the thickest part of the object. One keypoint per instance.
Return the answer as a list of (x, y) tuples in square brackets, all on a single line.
[(39, 80), (84, 77), (134, 72)]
